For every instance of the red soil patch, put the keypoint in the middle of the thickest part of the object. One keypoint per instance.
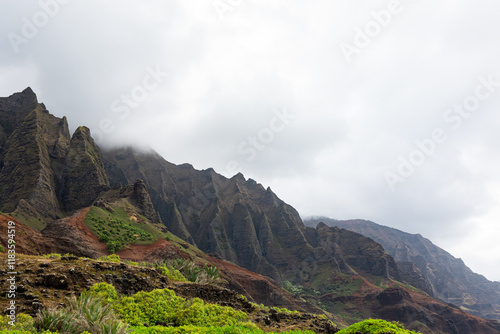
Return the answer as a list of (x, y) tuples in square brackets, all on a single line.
[(161, 249)]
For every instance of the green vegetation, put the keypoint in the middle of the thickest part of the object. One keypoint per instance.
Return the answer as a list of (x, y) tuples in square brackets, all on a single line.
[(340, 285), (86, 313), (21, 331), (117, 229), (110, 258), (101, 310), (2, 249), (105, 291), (238, 329), (298, 290), (189, 271), (52, 256), (34, 222), (374, 326), (261, 307), (164, 306), (23, 323)]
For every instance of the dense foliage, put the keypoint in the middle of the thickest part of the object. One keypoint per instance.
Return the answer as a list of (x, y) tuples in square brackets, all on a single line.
[(101, 310), (238, 329), (87, 313), (163, 305), (376, 326)]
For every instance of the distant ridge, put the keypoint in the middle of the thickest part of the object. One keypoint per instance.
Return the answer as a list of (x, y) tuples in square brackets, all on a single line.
[(448, 277)]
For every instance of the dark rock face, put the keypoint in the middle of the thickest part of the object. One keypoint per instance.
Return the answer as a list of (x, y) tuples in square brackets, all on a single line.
[(412, 274), (138, 196), (430, 268), (83, 176), (396, 304), (358, 251), (13, 110), (32, 157), (392, 296), (36, 148), (46, 174), (141, 200), (243, 222)]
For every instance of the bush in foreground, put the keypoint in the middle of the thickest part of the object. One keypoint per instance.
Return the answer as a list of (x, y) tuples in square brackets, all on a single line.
[(239, 329), (162, 305), (375, 326), (23, 322), (87, 313)]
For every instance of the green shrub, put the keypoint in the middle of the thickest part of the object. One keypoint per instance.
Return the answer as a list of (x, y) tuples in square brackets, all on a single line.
[(245, 328), (105, 291), (163, 305), (375, 326), (131, 263), (22, 331), (85, 313), (172, 274), (2, 249), (110, 258), (284, 310), (54, 320), (52, 256), (293, 289), (23, 322), (191, 272)]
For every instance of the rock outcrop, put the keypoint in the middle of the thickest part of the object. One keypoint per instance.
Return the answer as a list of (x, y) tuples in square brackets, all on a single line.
[(31, 162), (13, 110), (83, 176), (45, 173)]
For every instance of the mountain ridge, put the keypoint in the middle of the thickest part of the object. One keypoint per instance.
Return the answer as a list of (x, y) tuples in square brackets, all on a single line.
[(450, 279)]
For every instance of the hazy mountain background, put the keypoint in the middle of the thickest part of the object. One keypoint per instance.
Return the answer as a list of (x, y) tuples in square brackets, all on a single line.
[(446, 277)]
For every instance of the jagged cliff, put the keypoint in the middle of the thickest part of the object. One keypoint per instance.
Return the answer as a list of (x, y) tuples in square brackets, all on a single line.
[(32, 157), (243, 222), (442, 275), (45, 173), (13, 110), (83, 175)]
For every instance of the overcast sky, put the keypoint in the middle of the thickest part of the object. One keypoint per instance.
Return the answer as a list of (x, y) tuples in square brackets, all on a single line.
[(382, 110)]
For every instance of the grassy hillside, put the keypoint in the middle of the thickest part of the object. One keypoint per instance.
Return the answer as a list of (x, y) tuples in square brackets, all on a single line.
[(104, 308), (121, 226)]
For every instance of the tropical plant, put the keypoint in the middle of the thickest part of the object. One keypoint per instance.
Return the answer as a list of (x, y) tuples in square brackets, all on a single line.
[(85, 313)]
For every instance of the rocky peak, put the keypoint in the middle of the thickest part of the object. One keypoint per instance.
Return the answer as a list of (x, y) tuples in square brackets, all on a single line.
[(83, 177), (430, 268), (13, 110), (19, 102), (33, 155), (142, 201)]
